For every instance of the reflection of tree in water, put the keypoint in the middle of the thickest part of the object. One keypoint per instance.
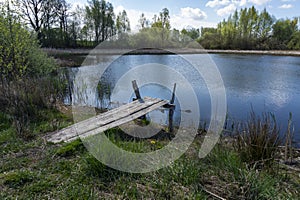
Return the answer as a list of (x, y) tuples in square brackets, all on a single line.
[(104, 93)]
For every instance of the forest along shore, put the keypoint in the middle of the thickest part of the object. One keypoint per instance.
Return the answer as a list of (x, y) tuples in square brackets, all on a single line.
[(54, 52)]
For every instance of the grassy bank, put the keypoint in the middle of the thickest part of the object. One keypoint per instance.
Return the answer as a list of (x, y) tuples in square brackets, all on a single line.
[(34, 169)]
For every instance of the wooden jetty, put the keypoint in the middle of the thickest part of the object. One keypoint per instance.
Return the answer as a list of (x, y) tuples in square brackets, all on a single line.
[(113, 118)]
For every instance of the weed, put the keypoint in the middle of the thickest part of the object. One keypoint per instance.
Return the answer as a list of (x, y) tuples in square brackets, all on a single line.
[(70, 149), (258, 139), (17, 178)]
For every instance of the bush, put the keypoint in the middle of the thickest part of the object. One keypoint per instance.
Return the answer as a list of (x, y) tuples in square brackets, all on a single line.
[(28, 78)]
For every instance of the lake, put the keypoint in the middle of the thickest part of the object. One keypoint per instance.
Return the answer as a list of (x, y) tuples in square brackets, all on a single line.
[(260, 83)]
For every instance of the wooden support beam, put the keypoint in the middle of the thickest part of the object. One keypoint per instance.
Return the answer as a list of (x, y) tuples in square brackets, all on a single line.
[(136, 90), (138, 95), (173, 95), (171, 109)]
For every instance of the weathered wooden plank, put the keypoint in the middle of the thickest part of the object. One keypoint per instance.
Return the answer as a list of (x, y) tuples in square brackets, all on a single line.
[(101, 119), (120, 121), (72, 130), (80, 129), (110, 117)]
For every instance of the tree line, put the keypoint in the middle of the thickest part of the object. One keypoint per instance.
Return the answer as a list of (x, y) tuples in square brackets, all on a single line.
[(251, 29), (57, 25)]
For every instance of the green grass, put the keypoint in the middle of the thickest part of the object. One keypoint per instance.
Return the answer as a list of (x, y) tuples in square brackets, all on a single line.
[(34, 169)]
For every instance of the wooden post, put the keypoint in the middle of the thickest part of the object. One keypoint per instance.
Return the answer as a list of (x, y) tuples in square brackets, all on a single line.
[(138, 95), (171, 110), (136, 90)]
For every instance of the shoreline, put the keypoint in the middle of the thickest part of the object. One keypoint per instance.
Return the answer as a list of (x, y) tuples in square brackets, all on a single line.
[(82, 52)]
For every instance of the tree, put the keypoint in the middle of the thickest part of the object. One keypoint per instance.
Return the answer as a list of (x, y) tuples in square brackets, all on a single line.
[(75, 26), (101, 16), (165, 18), (264, 24), (210, 38), (191, 32), (283, 30), (143, 21), (245, 29), (36, 13), (62, 14), (294, 43), (94, 14), (161, 25), (122, 23), (163, 21)]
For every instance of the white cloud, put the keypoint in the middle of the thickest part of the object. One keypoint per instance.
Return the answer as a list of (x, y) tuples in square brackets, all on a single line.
[(216, 3), (193, 13), (259, 2), (286, 6), (119, 9), (178, 22), (226, 10), (190, 17), (225, 7), (243, 3)]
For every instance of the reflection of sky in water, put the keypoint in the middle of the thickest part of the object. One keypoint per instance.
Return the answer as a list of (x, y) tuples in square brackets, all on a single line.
[(265, 83)]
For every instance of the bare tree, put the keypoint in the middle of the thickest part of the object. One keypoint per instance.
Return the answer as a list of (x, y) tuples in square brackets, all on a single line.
[(34, 12)]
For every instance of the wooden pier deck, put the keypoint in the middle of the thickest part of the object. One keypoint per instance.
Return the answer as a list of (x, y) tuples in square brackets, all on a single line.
[(107, 120)]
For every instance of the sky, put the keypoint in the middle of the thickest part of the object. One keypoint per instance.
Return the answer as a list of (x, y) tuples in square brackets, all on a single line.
[(197, 13)]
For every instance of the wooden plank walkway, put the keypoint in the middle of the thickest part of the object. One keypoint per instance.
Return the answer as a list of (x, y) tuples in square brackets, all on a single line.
[(107, 120)]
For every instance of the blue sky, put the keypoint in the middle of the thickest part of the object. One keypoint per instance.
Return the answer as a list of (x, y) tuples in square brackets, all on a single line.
[(197, 13)]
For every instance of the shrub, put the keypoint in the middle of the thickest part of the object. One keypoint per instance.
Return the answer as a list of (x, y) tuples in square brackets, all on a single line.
[(28, 78)]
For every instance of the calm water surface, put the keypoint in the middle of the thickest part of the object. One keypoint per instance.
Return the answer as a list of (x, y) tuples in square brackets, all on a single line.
[(259, 82)]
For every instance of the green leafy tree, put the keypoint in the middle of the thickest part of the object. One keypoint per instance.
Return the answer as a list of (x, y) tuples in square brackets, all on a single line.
[(122, 23), (294, 43), (191, 32), (101, 15), (161, 25), (210, 38), (283, 31), (245, 29)]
